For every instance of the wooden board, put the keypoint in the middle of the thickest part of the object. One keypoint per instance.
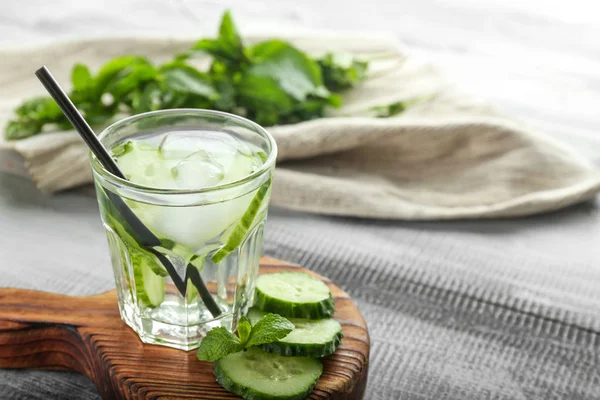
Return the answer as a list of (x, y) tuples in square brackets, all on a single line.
[(86, 334)]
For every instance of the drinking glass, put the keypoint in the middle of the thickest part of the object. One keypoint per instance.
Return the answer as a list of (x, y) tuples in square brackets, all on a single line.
[(185, 259)]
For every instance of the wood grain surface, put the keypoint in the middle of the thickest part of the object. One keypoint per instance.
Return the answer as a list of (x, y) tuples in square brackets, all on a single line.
[(86, 334)]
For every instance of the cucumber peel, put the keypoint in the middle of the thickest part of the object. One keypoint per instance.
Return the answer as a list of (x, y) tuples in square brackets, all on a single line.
[(191, 292), (257, 375), (294, 295), (310, 338), (149, 287), (239, 233)]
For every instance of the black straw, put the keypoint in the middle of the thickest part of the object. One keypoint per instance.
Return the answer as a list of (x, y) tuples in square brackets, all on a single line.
[(145, 237), (193, 275), (78, 122)]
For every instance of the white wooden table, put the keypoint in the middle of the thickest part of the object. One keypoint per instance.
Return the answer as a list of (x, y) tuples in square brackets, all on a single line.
[(538, 61)]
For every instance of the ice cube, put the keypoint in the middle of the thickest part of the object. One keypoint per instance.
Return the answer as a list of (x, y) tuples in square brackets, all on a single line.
[(222, 147), (192, 227), (177, 145), (197, 170), (242, 166), (180, 144)]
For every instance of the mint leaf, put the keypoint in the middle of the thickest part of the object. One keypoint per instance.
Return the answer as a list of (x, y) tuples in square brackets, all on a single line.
[(81, 77), (228, 32), (224, 86), (244, 329), (389, 110), (218, 343), (39, 108), (83, 94), (341, 71), (32, 115), (115, 70), (146, 100), (262, 97), (182, 78), (294, 71), (269, 329), (21, 129), (122, 148), (211, 47), (227, 48), (130, 79), (100, 115), (230, 39)]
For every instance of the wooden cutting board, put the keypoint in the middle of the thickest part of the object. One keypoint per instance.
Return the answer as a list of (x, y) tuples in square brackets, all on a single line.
[(86, 334)]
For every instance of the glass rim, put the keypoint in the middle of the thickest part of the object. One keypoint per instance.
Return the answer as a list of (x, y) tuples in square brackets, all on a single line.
[(120, 182)]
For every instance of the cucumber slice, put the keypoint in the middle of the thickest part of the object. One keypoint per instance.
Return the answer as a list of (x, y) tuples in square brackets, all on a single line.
[(149, 286), (257, 375), (294, 295), (141, 163), (310, 337), (191, 292), (138, 255), (237, 236)]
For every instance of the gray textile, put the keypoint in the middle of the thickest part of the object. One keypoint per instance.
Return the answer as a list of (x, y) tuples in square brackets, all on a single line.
[(461, 310)]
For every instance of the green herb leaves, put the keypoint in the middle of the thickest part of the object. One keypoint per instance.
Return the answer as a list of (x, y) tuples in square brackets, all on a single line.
[(32, 115), (389, 110), (227, 48), (219, 342), (295, 73), (341, 71), (271, 82), (183, 79), (80, 77), (244, 329), (268, 330)]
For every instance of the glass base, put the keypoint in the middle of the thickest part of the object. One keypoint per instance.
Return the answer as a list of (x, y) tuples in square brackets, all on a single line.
[(154, 308), (182, 335)]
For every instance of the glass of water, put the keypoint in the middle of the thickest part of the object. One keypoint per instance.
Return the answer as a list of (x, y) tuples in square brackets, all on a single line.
[(185, 228)]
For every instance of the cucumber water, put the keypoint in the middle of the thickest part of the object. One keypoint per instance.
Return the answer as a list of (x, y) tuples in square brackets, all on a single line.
[(257, 375), (310, 337), (203, 195), (188, 161), (294, 295)]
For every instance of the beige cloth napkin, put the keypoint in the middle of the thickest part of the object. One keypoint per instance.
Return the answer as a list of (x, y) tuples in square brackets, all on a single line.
[(447, 157)]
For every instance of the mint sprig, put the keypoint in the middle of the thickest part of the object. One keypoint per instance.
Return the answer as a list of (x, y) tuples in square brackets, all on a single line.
[(268, 330), (271, 82), (219, 342), (244, 329)]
